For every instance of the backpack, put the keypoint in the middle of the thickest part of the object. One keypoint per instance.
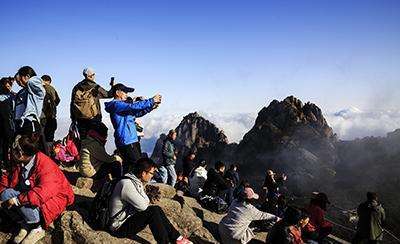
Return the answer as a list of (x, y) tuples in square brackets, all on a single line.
[(214, 204), (49, 105), (85, 103), (99, 210)]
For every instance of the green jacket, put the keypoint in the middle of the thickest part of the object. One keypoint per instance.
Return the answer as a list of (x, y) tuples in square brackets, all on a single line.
[(371, 220), (168, 153), (93, 155)]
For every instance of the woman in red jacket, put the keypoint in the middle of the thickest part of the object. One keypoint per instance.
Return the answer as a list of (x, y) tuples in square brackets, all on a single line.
[(35, 191), (317, 210)]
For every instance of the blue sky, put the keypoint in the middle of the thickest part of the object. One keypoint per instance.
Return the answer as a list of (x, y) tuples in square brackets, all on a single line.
[(213, 56)]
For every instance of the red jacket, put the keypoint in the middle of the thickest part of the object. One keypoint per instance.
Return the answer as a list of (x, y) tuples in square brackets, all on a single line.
[(317, 217), (50, 190)]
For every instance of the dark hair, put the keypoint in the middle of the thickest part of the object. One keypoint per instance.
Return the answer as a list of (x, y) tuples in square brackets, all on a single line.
[(27, 145), (292, 215), (233, 166), (371, 196), (218, 165), (26, 70), (46, 78), (142, 165), (100, 128), (3, 82)]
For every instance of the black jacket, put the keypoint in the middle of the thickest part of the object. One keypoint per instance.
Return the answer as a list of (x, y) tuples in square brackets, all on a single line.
[(215, 183)]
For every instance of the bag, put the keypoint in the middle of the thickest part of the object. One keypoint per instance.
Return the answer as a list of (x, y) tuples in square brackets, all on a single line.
[(65, 152), (85, 103), (214, 204), (99, 210)]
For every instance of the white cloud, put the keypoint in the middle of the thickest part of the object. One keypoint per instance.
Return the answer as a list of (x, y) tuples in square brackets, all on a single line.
[(354, 123), (348, 124)]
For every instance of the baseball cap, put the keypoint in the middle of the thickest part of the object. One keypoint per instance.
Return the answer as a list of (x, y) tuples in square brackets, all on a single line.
[(122, 87), (88, 71)]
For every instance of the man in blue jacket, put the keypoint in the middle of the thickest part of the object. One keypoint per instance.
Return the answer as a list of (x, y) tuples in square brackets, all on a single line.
[(123, 114)]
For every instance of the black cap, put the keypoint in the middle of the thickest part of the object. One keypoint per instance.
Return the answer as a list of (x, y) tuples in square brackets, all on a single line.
[(122, 87)]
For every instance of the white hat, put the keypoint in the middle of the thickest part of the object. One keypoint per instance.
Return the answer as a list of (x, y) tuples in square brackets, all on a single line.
[(88, 72)]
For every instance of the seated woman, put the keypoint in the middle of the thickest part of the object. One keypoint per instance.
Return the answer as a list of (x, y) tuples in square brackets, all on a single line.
[(234, 227), (35, 192), (289, 229), (95, 162), (197, 178), (130, 210)]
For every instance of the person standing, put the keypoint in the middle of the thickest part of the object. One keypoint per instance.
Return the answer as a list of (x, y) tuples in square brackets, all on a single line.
[(29, 100), (371, 220), (123, 114), (6, 119), (49, 118), (85, 102), (167, 170)]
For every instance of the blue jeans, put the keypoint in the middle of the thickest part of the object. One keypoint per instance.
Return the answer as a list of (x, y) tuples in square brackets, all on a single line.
[(29, 214), (168, 174)]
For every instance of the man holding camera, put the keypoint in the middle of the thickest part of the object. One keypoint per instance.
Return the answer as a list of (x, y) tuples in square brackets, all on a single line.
[(123, 113), (85, 102)]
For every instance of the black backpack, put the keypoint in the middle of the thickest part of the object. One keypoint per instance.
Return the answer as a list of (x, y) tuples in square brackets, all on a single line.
[(99, 210)]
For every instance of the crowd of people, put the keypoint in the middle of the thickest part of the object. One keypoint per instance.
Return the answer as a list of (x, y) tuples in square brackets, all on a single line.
[(34, 191)]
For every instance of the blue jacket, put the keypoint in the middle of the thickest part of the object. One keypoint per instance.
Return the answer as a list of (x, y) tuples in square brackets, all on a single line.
[(29, 100), (123, 116)]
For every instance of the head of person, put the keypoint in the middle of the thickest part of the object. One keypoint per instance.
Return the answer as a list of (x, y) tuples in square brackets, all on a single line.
[(24, 148), (46, 79), (321, 200), (233, 167), (145, 169), (89, 74), (6, 84), (247, 195), (23, 75), (219, 166), (120, 91), (100, 131), (292, 216), (191, 156), (372, 197), (201, 163), (270, 173), (172, 134)]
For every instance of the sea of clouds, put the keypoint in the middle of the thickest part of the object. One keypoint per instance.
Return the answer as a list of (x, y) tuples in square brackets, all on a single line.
[(348, 124)]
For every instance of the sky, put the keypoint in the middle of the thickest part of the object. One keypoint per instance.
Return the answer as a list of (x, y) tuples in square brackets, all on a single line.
[(222, 58)]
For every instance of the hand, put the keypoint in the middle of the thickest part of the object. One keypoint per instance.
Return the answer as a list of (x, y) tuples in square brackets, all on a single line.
[(157, 98), (10, 202)]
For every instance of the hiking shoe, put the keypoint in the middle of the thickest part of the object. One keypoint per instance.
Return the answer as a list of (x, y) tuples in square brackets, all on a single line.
[(34, 236), (183, 240), (21, 236)]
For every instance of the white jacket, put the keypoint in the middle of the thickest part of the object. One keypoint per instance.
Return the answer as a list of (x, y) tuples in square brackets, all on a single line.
[(196, 181)]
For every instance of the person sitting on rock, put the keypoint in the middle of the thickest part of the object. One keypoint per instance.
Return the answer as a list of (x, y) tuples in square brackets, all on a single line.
[(94, 161), (216, 185), (182, 183), (197, 178), (123, 114), (289, 229), (371, 220), (130, 211), (188, 163), (167, 170), (317, 209), (235, 226), (35, 192)]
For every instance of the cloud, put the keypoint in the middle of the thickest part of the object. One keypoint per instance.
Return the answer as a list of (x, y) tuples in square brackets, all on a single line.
[(354, 123), (348, 124)]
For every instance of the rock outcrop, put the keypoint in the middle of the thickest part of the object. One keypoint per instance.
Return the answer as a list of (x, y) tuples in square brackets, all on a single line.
[(290, 137)]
